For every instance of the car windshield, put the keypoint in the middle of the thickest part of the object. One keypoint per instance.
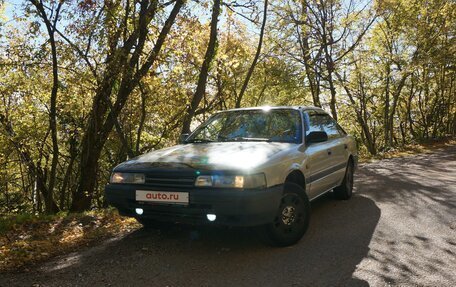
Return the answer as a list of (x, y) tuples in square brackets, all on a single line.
[(275, 125)]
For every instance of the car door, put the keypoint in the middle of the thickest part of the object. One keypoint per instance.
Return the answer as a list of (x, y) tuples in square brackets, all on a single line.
[(338, 150), (324, 160)]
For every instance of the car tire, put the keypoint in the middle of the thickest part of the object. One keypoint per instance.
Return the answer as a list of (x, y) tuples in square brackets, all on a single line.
[(292, 218), (345, 190)]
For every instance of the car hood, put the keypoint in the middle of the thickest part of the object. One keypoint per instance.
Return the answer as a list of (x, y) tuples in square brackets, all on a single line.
[(210, 156)]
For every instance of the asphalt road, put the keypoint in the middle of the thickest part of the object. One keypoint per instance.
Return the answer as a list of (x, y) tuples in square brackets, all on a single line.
[(398, 229)]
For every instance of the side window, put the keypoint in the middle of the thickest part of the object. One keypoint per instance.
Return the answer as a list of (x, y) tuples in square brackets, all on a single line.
[(315, 123), (323, 122), (341, 130)]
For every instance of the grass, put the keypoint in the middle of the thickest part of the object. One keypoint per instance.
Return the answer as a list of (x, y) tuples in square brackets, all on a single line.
[(26, 239)]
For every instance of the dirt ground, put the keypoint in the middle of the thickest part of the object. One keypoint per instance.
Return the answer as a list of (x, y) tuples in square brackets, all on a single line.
[(398, 229)]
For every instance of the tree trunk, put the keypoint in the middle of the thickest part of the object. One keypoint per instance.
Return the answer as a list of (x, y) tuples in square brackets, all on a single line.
[(255, 59), (66, 181), (409, 109), (100, 124), (332, 88), (303, 40), (330, 70), (396, 96), (142, 119), (387, 108), (370, 142), (51, 27), (366, 131), (202, 79)]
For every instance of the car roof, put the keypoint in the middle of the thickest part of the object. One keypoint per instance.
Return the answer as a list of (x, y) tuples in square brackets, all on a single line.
[(301, 108)]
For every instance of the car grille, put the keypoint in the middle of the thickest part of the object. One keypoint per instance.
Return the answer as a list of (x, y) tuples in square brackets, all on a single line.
[(170, 180)]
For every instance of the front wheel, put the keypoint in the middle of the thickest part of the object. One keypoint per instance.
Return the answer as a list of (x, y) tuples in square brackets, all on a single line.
[(345, 190), (292, 218)]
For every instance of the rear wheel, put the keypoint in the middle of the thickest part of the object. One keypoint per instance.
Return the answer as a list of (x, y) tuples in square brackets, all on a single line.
[(292, 218), (345, 190)]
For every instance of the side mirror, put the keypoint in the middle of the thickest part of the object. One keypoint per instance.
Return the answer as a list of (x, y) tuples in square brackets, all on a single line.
[(316, 137), (182, 138)]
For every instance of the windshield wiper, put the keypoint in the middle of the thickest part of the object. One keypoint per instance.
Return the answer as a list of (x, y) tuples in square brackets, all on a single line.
[(199, 141), (246, 139)]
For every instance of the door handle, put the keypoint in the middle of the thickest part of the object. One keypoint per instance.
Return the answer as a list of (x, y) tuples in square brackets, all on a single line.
[(329, 152)]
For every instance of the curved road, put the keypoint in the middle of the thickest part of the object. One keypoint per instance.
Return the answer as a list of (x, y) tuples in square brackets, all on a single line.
[(398, 229)]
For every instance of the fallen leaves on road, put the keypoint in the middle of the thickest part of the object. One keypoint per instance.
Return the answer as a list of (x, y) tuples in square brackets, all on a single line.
[(26, 239), (408, 150)]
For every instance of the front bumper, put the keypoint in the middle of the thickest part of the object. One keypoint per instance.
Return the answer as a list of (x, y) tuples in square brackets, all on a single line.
[(233, 207)]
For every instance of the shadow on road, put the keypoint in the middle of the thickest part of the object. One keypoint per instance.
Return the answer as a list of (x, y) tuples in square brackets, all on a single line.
[(402, 182), (415, 243), (336, 242)]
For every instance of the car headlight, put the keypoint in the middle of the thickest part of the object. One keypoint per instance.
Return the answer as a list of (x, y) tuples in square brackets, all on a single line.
[(233, 181), (126, 177)]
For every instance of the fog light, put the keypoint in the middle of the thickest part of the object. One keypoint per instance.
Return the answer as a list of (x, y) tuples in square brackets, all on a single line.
[(211, 217), (139, 211)]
